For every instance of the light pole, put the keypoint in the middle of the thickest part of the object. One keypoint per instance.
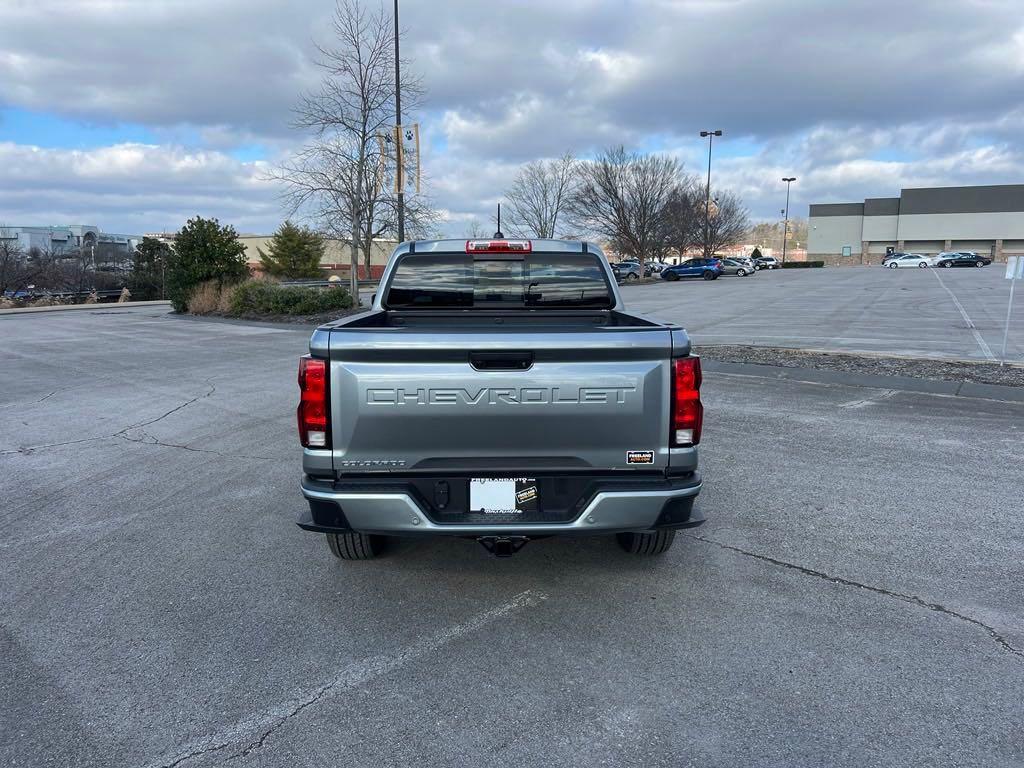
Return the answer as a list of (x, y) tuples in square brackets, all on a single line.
[(785, 226), (398, 150), (707, 200)]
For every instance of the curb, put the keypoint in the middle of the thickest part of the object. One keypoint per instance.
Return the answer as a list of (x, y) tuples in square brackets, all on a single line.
[(904, 383), (72, 307), (835, 352)]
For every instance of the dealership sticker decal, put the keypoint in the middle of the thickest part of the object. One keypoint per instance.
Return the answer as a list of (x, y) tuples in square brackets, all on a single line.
[(639, 457), (527, 494)]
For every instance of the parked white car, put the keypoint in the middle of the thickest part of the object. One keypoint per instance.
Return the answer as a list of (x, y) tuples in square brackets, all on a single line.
[(900, 260)]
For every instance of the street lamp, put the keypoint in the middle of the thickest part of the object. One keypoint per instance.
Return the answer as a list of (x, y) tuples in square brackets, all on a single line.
[(710, 135), (398, 122), (785, 227)]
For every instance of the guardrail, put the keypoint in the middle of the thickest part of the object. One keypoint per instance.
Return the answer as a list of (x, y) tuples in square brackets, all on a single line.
[(64, 307), (25, 295)]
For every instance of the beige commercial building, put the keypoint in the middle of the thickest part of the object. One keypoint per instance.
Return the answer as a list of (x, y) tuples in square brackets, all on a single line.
[(337, 256), (985, 219)]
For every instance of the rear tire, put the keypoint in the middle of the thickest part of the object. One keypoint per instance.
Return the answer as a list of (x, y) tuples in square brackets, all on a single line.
[(922, 265), (980, 264), (632, 276), (709, 275), (741, 272), (651, 543), (355, 546)]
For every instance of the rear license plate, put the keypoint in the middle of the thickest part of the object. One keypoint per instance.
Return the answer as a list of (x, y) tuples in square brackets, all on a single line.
[(503, 496)]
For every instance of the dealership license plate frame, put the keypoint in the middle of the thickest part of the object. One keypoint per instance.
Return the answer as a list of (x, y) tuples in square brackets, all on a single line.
[(502, 495)]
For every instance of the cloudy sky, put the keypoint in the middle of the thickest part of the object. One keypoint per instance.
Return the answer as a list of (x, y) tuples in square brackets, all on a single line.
[(135, 114)]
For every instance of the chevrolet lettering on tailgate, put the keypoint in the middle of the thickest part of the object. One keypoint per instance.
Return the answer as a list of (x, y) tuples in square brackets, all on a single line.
[(498, 396)]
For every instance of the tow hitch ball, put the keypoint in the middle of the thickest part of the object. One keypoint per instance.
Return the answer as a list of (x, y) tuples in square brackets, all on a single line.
[(503, 546)]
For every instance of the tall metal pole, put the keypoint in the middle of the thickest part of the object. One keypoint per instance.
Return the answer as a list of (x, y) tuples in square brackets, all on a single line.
[(707, 203), (398, 150), (707, 200), (785, 225)]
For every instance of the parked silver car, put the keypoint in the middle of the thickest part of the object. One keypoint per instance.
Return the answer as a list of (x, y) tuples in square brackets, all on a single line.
[(902, 260), (626, 270), (736, 267)]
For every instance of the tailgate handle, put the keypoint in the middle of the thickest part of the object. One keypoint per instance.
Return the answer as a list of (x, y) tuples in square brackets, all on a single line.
[(501, 361)]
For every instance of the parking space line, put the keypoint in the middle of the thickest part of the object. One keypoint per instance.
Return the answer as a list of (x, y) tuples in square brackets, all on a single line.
[(884, 394), (251, 732), (967, 318)]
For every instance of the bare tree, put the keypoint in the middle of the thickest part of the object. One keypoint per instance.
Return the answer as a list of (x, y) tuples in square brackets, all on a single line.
[(539, 195), (421, 221), (729, 222), (684, 218), (337, 177), (14, 272), (623, 196), (475, 230)]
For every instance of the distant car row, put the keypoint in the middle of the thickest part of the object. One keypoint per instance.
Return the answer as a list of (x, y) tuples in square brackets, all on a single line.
[(945, 259), (708, 269)]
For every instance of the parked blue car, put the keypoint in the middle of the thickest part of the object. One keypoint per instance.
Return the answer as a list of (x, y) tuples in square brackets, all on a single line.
[(709, 269)]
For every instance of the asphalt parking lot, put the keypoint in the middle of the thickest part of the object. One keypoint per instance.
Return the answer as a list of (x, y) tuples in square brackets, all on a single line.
[(854, 599), (957, 313)]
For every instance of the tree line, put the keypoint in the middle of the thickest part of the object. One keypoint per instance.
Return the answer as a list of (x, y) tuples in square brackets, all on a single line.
[(646, 206)]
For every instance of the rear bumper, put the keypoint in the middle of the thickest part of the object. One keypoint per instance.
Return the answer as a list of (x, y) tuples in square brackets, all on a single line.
[(668, 504)]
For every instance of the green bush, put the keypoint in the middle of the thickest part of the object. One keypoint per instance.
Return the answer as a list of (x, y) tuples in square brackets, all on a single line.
[(203, 250), (263, 297), (293, 252), (802, 264)]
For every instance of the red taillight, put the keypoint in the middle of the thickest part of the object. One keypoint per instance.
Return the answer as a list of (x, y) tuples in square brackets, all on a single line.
[(687, 410), (499, 246), (314, 403)]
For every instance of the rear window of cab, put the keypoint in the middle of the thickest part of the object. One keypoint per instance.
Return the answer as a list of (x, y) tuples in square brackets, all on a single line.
[(477, 281)]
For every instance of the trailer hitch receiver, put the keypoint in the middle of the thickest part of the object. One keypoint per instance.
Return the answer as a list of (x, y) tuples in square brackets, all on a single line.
[(503, 546)]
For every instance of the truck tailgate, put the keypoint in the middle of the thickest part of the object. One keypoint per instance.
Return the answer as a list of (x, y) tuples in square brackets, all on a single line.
[(463, 400)]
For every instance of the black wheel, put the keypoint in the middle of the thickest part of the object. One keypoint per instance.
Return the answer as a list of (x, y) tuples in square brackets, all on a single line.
[(653, 543), (355, 546), (672, 277), (709, 275), (632, 276), (893, 265), (922, 265)]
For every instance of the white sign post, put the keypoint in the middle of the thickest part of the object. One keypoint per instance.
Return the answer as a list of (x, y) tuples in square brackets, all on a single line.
[(1014, 272)]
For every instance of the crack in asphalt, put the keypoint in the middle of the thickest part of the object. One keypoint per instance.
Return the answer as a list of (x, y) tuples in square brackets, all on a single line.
[(198, 753), (120, 433), (148, 439), (186, 404), (251, 733), (902, 596), (31, 402)]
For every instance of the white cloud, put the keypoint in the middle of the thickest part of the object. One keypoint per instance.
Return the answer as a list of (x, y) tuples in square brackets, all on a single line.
[(132, 187), (855, 98)]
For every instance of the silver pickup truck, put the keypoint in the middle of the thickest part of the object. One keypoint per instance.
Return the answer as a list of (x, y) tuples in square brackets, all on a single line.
[(498, 390)]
